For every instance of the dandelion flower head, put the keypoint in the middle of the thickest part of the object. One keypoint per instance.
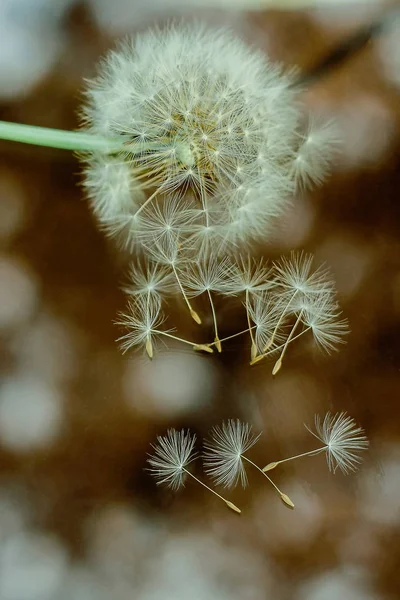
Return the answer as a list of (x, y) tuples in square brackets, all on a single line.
[(198, 113)]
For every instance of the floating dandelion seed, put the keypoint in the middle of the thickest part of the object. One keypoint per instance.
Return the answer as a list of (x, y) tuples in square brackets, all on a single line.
[(343, 441), (144, 324), (208, 277), (148, 279), (172, 455), (224, 455)]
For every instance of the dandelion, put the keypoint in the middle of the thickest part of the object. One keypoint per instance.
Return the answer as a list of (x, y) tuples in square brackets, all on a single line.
[(343, 441), (172, 455), (196, 112), (224, 455)]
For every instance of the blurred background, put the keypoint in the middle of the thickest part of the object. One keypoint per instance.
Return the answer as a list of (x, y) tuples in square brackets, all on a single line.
[(79, 517)]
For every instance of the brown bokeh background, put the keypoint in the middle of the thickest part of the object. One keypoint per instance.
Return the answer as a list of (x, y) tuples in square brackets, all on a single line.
[(79, 516)]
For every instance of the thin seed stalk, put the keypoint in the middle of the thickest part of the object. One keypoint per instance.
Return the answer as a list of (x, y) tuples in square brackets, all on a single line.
[(194, 345), (271, 340), (284, 497), (272, 465), (253, 352), (217, 341), (278, 363), (262, 356), (227, 502), (193, 313)]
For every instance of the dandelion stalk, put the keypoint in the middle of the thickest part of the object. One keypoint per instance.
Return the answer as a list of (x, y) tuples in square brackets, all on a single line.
[(79, 141), (59, 138)]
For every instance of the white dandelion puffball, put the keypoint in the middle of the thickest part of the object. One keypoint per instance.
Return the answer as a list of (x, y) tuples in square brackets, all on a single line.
[(205, 120)]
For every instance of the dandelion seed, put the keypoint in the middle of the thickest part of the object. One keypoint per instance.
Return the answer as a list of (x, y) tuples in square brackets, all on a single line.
[(207, 277), (322, 317), (295, 276), (316, 152), (144, 324), (343, 441), (150, 279), (165, 222), (224, 455), (143, 321), (251, 277), (264, 311), (168, 253), (172, 455)]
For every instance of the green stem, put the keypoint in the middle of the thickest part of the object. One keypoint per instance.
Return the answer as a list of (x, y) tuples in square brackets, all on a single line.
[(58, 138)]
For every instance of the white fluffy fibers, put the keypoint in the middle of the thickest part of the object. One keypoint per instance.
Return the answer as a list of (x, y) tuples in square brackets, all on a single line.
[(200, 112)]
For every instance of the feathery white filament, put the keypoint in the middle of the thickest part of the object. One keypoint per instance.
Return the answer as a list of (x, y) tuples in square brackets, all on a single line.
[(343, 438), (197, 111), (224, 450), (172, 454)]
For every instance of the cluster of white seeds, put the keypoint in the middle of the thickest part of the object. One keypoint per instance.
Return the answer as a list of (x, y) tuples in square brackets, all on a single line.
[(282, 303), (207, 125)]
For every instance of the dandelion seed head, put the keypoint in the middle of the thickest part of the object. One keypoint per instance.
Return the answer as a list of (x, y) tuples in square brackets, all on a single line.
[(172, 454), (224, 450), (197, 110), (344, 441)]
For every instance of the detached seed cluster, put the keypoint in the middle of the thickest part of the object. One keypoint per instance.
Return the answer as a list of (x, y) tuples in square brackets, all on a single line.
[(225, 460)]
